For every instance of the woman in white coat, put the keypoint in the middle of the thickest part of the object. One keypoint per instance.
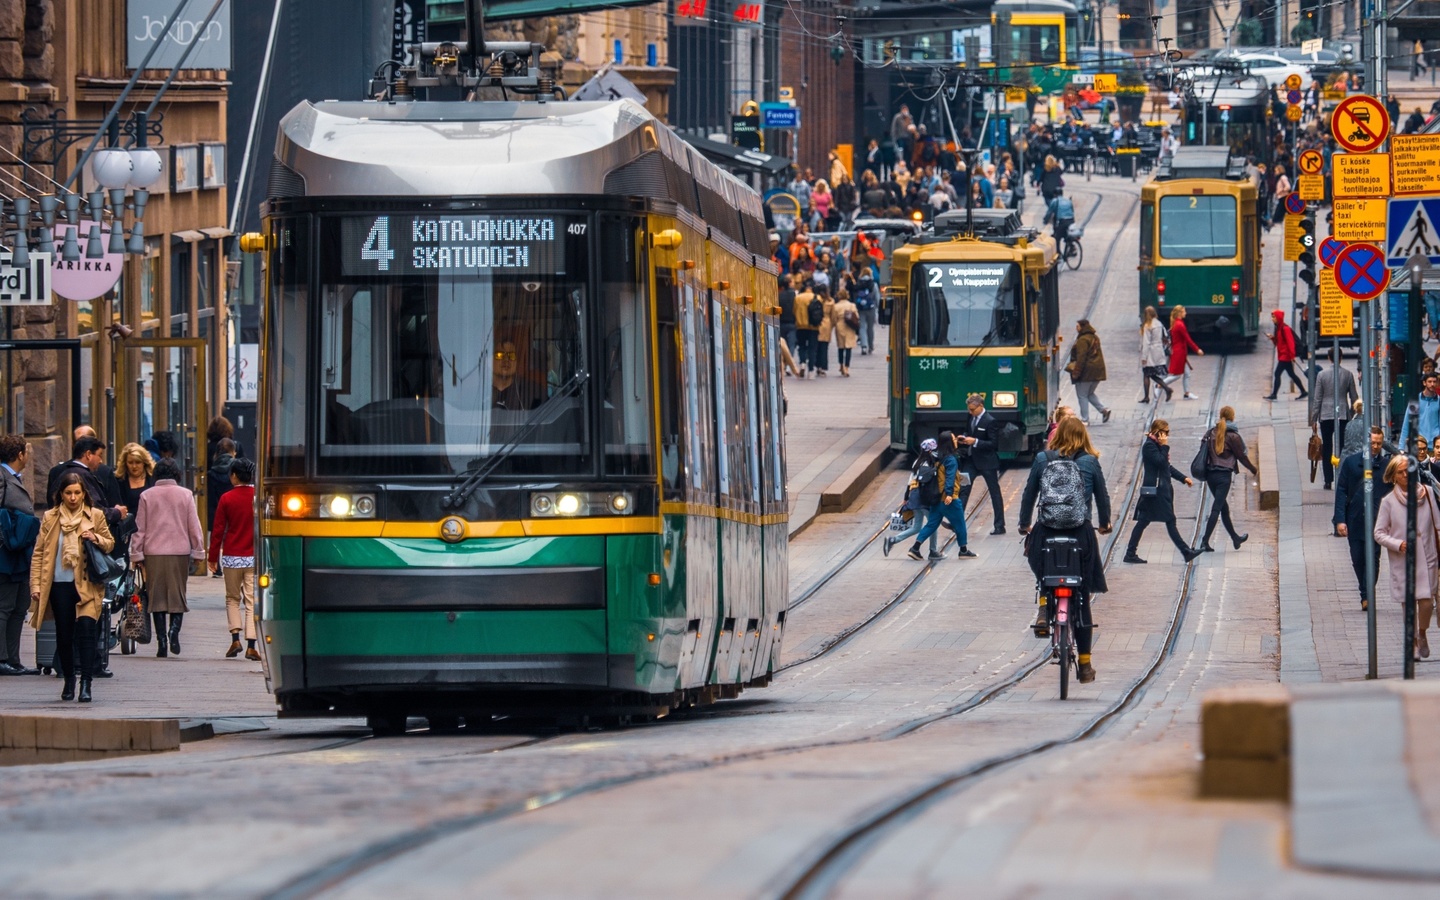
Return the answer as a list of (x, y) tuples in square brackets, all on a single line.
[(1153, 356), (1390, 534)]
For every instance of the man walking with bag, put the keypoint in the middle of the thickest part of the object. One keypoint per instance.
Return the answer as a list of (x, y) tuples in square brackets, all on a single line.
[(1329, 389)]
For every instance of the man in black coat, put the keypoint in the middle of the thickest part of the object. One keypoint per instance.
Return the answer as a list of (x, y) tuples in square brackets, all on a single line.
[(982, 438), (1349, 519), (102, 488), (14, 584)]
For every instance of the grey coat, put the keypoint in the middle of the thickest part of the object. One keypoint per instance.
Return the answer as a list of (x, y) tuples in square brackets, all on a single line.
[(1322, 399)]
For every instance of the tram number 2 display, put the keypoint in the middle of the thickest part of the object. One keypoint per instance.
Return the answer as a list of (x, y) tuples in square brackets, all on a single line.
[(456, 244)]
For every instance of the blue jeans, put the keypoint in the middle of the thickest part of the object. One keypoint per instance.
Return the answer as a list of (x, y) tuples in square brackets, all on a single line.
[(954, 512), (916, 525)]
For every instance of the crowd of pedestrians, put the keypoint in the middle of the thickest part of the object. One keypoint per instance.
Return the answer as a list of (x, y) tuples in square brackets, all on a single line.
[(61, 549)]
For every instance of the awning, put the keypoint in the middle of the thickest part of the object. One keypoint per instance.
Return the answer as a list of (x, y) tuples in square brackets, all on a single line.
[(188, 237), (216, 232), (738, 159)]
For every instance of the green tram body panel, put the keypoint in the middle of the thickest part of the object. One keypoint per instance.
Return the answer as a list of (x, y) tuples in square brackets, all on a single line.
[(1019, 379), (687, 632), (1200, 265)]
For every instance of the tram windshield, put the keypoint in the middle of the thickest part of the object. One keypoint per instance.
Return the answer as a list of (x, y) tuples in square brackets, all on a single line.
[(1036, 44), (1198, 227), (966, 305), (442, 336)]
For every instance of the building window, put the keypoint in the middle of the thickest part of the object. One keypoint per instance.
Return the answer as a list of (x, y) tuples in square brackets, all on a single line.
[(180, 262)]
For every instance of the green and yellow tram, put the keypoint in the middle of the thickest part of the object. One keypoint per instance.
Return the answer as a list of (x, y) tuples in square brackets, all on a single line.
[(1200, 243), (976, 310), (522, 435)]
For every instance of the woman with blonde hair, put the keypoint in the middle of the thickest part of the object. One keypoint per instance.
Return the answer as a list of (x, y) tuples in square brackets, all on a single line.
[(1225, 450), (1390, 534), (1070, 440), (1180, 347), (820, 204), (1356, 432), (135, 470)]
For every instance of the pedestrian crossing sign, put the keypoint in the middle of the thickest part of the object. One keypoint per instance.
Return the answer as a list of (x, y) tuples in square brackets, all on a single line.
[(1411, 229)]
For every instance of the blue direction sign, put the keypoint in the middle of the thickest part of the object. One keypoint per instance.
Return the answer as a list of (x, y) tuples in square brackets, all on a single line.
[(1410, 229), (1293, 204), (1361, 273), (1329, 249), (779, 115)]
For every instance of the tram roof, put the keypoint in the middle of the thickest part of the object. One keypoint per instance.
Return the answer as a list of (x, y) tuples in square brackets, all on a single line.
[(1201, 162), (1036, 6), (368, 148)]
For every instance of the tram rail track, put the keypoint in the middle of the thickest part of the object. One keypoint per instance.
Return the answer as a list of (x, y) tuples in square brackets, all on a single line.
[(827, 867)]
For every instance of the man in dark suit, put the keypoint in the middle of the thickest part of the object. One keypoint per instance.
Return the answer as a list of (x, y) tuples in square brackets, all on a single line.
[(14, 585), (982, 438), (1349, 517), (87, 456)]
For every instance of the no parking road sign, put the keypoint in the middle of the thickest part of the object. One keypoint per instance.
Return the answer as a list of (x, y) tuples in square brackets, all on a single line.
[(1294, 204), (1361, 273), (1330, 251), (1411, 230), (1360, 124)]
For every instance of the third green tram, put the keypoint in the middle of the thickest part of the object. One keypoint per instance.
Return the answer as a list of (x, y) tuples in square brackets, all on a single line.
[(976, 310), (1200, 243)]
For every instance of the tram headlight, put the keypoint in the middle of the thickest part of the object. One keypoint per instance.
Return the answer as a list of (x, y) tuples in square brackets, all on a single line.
[(347, 506), (928, 400), (1006, 400), (581, 503)]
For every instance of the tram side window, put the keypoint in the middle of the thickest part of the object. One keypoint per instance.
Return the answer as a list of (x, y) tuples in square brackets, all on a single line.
[(775, 431), (1035, 44), (1147, 231), (966, 305), (287, 356), (668, 358), (1198, 227), (625, 364), (752, 408), (719, 323)]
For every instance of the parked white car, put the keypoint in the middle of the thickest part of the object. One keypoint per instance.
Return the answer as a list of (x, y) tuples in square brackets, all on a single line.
[(1275, 68)]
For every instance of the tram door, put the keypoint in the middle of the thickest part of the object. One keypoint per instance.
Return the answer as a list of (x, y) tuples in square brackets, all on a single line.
[(161, 386)]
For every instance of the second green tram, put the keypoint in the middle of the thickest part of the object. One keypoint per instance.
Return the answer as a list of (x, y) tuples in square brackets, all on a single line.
[(1200, 243), (976, 309)]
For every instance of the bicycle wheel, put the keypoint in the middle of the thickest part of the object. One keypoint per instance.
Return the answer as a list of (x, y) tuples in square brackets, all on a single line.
[(1066, 645), (1074, 253)]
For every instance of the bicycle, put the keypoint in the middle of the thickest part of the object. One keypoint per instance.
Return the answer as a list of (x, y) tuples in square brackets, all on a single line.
[(1071, 250), (1061, 591)]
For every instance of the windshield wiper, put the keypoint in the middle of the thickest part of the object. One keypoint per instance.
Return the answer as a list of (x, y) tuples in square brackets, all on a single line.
[(461, 492), (984, 342)]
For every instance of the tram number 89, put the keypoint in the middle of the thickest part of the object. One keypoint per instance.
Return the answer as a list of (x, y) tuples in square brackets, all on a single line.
[(1217, 298)]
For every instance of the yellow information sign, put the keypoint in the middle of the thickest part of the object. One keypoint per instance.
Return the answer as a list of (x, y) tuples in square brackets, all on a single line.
[(1015, 95), (1361, 174), (1415, 160), (1336, 310), (1359, 220), (1290, 248), (1310, 187), (1332, 93), (1294, 112), (1106, 83)]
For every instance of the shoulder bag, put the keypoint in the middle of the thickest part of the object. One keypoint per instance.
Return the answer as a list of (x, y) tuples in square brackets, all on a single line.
[(101, 567), (1200, 465)]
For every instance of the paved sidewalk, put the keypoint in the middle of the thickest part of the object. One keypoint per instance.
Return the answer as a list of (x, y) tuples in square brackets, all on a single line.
[(835, 428), (200, 683)]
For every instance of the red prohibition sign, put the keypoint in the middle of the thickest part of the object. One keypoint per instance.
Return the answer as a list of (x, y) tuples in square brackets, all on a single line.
[(1361, 273), (1330, 251), (1360, 123)]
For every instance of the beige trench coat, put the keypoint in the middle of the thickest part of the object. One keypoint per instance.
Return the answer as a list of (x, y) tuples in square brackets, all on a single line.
[(42, 567), (845, 337)]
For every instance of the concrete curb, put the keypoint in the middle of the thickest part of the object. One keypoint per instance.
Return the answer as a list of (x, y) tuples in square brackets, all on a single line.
[(29, 740), (844, 490)]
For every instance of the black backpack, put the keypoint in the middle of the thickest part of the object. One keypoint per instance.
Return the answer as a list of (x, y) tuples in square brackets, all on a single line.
[(927, 482), (816, 311), (1062, 495)]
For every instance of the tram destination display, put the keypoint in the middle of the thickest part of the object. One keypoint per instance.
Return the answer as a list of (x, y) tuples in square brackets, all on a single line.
[(456, 244)]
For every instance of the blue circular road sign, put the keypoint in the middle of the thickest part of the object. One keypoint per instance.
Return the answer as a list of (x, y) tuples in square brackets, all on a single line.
[(1293, 204)]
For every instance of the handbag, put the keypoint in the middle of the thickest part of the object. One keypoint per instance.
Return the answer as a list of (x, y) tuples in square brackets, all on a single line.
[(99, 565), (1314, 451), (1200, 465)]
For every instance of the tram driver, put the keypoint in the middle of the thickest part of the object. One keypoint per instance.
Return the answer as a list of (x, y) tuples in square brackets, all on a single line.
[(507, 391)]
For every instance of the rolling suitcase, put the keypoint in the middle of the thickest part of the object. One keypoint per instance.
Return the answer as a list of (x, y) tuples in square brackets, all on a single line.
[(45, 647)]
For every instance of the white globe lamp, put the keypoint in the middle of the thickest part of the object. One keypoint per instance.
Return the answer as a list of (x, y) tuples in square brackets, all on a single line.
[(113, 167), (145, 167)]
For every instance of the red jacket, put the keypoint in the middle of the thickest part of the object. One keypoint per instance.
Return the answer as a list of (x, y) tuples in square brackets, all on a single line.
[(1180, 346), (234, 525), (1284, 339)]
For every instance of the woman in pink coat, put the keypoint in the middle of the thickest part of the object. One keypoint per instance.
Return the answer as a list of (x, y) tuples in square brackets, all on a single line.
[(1180, 347), (167, 537), (1390, 531)]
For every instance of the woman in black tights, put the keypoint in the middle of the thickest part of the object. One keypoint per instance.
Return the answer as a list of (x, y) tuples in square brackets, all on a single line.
[(1157, 496), (1224, 454)]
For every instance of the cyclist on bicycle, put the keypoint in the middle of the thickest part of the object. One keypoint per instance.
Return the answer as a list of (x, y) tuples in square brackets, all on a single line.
[(1062, 212), (1071, 442)]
